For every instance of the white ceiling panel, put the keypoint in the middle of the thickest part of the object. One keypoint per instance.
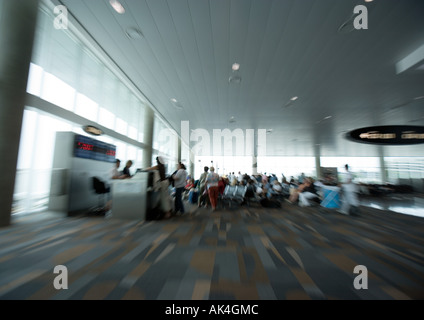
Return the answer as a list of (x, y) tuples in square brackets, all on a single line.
[(285, 48)]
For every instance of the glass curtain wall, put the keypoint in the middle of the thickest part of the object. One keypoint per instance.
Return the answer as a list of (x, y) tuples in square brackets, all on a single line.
[(364, 169), (287, 166), (404, 168), (66, 73), (165, 144)]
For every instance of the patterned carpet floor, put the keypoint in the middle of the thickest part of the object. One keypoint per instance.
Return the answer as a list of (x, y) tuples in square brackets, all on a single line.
[(240, 253)]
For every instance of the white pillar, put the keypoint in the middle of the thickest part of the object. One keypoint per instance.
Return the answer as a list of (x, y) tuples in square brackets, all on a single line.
[(148, 137), (383, 172), (317, 152), (17, 26)]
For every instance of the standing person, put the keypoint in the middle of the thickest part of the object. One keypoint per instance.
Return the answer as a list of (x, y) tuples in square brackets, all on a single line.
[(212, 185), (179, 183), (239, 178), (164, 186), (350, 201), (126, 172), (202, 186)]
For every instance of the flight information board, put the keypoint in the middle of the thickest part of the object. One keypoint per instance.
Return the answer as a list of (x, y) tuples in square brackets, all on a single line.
[(88, 148)]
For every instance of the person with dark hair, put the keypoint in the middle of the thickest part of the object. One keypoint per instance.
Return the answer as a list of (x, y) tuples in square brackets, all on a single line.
[(114, 172), (126, 172), (202, 186), (179, 183), (164, 186), (350, 201)]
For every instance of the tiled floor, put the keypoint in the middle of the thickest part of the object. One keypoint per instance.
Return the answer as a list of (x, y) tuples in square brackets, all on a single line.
[(244, 253)]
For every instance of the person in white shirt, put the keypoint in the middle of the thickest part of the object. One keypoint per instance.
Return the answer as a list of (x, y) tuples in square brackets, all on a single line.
[(180, 178), (350, 201), (114, 172), (202, 187), (240, 177)]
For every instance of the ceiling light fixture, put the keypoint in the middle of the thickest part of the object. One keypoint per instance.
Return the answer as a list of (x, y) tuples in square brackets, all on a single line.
[(290, 102), (134, 33), (326, 118), (235, 79), (235, 66), (117, 6), (176, 104)]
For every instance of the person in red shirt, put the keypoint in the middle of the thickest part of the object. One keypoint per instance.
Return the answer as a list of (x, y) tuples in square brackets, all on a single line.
[(189, 185)]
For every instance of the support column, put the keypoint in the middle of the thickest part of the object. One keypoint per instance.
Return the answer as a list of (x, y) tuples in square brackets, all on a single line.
[(179, 152), (383, 172), (254, 165), (255, 153), (17, 25), (149, 121), (318, 160)]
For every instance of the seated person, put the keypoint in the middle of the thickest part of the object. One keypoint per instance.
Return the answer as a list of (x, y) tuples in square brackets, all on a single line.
[(221, 186), (126, 172), (188, 187), (115, 173), (277, 187), (305, 192)]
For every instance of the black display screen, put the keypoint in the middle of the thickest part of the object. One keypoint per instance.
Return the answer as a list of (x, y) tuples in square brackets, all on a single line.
[(388, 135), (88, 148)]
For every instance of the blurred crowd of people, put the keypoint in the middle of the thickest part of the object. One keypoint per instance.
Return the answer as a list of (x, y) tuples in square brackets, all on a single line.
[(267, 189)]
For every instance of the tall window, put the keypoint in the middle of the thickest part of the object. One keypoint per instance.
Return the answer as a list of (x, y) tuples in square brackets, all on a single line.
[(289, 166), (364, 169), (67, 74), (404, 168)]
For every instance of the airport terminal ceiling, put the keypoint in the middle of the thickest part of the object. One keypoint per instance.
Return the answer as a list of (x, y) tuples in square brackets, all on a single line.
[(303, 71)]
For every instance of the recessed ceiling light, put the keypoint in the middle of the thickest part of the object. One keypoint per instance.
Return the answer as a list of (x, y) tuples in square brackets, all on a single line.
[(117, 6), (294, 98), (235, 79), (176, 104), (326, 118), (134, 33), (235, 66), (369, 0)]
